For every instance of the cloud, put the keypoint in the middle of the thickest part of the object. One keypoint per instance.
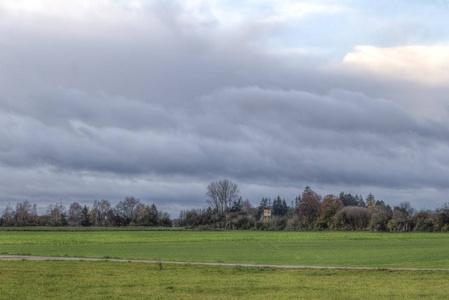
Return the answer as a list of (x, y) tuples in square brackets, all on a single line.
[(243, 133), (421, 64), (155, 100)]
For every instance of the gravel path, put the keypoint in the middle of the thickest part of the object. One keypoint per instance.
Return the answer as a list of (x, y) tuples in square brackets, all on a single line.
[(44, 258)]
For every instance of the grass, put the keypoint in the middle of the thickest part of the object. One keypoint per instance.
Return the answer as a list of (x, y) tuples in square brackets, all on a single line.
[(118, 280), (420, 250), (108, 280), (90, 228)]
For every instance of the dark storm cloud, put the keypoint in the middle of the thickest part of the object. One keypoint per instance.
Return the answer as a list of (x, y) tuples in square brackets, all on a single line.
[(156, 103)]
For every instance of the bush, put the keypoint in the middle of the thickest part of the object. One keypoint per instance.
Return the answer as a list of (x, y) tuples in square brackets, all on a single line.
[(379, 221), (275, 223), (241, 220), (352, 218), (441, 220), (293, 224)]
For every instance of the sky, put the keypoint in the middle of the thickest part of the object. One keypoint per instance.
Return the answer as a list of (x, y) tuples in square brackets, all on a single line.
[(103, 99)]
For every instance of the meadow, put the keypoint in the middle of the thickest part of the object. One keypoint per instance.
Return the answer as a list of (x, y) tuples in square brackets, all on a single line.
[(123, 280), (118, 280), (354, 249)]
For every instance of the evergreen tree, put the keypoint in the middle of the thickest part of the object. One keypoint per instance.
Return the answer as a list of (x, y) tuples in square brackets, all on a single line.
[(297, 200), (237, 205), (277, 206), (348, 199), (371, 201), (85, 216), (360, 201), (264, 204), (284, 208)]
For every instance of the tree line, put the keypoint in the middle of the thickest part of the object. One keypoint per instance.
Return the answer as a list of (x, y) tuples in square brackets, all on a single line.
[(129, 212), (309, 211), (226, 209)]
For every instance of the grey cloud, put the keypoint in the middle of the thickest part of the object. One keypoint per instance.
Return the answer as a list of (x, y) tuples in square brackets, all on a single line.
[(250, 132)]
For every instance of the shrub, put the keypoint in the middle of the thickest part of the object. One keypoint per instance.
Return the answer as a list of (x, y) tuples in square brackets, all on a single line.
[(274, 223), (352, 218), (379, 221), (441, 220)]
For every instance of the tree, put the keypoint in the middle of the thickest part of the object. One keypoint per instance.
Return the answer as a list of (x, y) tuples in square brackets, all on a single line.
[(441, 221), (329, 207), (148, 216), (277, 209), (221, 194), (126, 210), (371, 201), (381, 214), (8, 216), (101, 213), (75, 214), (360, 201), (164, 219), (24, 213), (85, 216), (307, 190), (309, 208), (297, 200), (237, 205), (402, 218), (280, 207), (265, 203), (56, 214), (423, 221), (348, 199), (248, 208), (189, 218)]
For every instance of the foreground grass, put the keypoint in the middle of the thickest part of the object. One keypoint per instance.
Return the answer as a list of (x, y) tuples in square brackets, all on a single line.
[(421, 250), (112, 280)]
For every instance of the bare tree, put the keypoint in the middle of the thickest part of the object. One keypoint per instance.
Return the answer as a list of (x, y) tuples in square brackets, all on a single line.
[(221, 195), (8, 216), (56, 213), (248, 207), (24, 211), (127, 209), (75, 214)]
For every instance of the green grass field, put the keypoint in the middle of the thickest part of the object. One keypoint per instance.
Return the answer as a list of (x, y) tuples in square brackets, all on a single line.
[(420, 250), (123, 280), (108, 280)]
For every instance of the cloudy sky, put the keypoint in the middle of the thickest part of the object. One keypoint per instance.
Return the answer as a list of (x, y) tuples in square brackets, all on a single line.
[(155, 99)]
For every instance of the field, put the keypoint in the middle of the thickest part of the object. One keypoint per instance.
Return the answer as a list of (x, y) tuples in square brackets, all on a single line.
[(73, 279), (107, 280), (419, 250)]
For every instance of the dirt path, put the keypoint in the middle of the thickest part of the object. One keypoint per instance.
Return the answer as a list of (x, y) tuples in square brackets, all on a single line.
[(43, 258)]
